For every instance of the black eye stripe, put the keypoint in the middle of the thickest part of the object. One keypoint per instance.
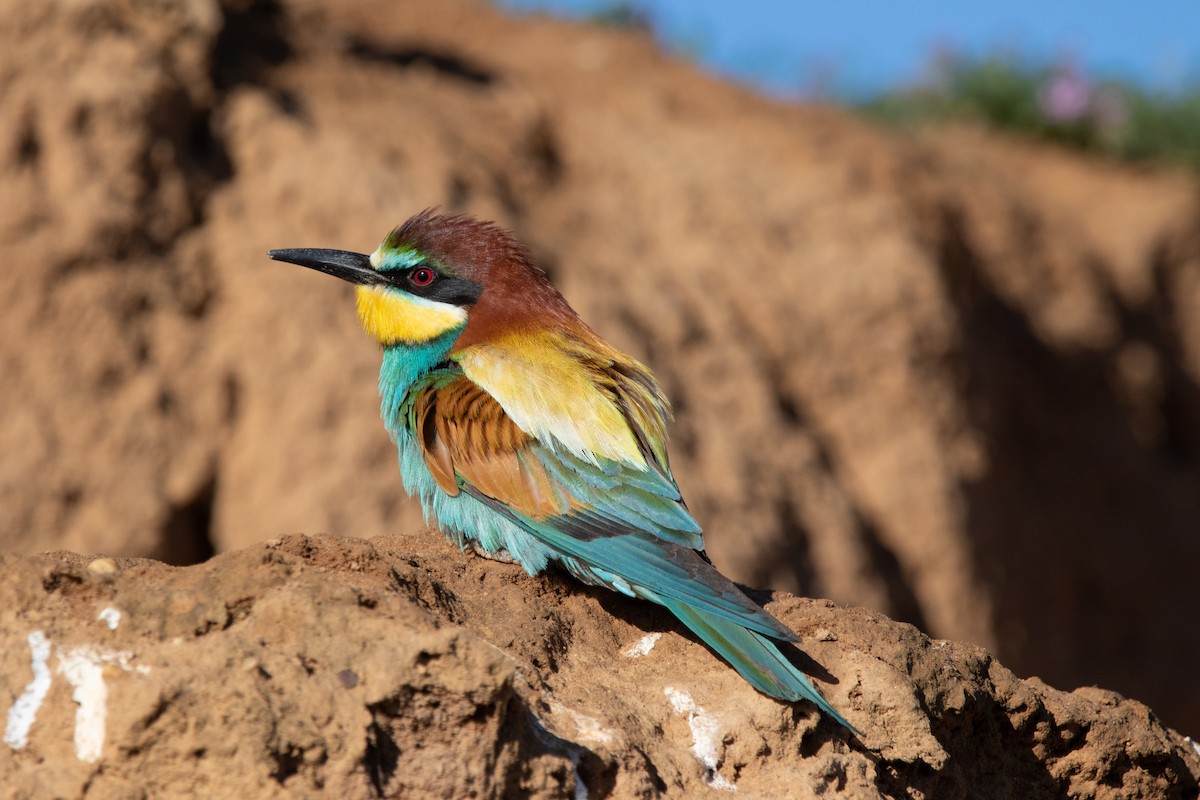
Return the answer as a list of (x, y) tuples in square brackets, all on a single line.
[(442, 288)]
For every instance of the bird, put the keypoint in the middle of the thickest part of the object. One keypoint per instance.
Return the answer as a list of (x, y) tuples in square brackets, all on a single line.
[(529, 438)]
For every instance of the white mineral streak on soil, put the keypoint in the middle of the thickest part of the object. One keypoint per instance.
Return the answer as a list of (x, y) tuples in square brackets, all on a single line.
[(24, 711), (706, 735)]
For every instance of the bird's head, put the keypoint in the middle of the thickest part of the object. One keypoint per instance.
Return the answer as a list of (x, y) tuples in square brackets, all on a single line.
[(438, 275)]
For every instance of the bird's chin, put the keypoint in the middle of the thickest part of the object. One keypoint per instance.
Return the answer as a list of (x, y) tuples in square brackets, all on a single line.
[(392, 316)]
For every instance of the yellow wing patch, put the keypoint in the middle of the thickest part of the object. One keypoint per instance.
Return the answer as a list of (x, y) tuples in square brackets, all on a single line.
[(557, 390), (391, 316)]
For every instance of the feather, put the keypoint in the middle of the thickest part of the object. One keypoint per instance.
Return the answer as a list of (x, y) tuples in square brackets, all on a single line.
[(611, 523), (662, 567), (756, 659), (466, 436), (570, 392)]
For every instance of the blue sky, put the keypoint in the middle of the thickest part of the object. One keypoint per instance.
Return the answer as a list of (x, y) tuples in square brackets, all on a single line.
[(792, 48)]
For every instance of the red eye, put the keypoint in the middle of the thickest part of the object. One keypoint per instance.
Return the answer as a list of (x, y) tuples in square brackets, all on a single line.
[(422, 276)]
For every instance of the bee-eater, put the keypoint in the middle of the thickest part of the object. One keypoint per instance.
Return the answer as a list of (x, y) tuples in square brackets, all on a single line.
[(527, 436)]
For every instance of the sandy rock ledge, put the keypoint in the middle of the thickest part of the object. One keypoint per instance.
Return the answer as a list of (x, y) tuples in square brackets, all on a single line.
[(401, 667)]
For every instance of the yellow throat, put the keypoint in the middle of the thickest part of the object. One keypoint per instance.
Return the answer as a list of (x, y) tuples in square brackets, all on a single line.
[(394, 317)]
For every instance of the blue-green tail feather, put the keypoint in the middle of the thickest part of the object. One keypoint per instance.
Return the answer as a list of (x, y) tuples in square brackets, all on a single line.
[(677, 577), (756, 658)]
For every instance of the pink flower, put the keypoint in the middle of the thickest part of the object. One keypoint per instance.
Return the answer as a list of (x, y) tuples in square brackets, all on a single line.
[(1066, 97)]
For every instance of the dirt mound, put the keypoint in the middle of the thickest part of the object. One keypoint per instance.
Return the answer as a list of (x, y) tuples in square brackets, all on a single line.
[(951, 379), (401, 667)]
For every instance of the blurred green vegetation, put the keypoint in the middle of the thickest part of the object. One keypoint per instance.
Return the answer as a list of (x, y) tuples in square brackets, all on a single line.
[(621, 14), (1042, 100), (1050, 102)]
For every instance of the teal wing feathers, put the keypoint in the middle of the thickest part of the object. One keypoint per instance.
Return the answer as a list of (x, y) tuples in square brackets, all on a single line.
[(628, 527), (641, 561), (468, 441)]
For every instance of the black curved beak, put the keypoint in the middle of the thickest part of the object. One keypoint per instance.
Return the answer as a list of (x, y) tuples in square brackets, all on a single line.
[(353, 267)]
